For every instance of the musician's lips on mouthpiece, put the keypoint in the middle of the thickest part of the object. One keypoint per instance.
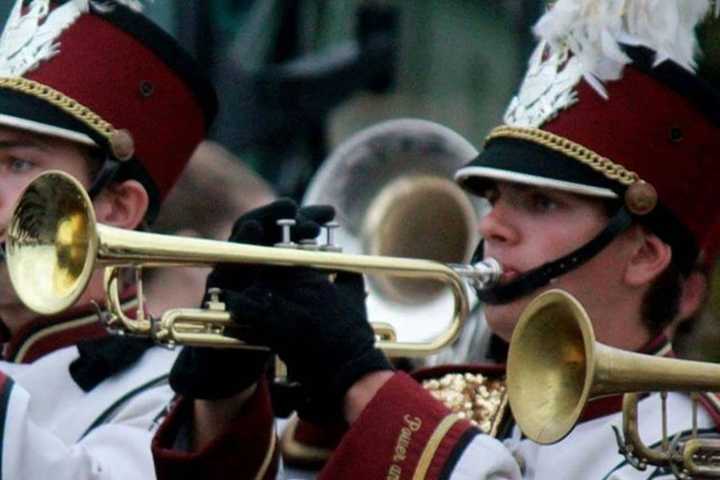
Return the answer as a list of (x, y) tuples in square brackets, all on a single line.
[(509, 273)]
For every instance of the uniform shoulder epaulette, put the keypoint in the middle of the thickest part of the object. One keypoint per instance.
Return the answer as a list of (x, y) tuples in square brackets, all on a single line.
[(474, 392)]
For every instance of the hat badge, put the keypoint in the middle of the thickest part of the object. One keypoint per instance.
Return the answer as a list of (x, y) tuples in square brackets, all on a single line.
[(30, 38), (547, 89), (31, 33)]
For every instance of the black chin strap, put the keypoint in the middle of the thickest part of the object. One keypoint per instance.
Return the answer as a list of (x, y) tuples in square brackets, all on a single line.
[(106, 175), (542, 275)]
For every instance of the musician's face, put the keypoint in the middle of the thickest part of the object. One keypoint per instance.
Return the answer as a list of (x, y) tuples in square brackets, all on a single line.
[(24, 156), (529, 226)]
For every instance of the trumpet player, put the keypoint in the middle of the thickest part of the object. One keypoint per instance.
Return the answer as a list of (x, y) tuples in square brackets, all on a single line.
[(94, 89), (601, 181)]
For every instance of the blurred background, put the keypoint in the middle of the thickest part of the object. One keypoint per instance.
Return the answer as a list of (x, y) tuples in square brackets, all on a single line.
[(297, 77)]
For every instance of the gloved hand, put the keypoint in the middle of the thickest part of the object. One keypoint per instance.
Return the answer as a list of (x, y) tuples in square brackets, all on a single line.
[(211, 373), (318, 327)]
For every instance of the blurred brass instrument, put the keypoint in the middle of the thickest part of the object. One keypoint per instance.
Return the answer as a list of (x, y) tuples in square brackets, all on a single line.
[(392, 187), (555, 366), (54, 245)]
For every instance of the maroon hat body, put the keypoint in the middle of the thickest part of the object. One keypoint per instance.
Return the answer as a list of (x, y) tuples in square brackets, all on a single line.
[(107, 77), (655, 126)]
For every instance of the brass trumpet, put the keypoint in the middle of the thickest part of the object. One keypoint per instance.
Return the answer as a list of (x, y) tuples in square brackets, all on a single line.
[(555, 366), (54, 245)]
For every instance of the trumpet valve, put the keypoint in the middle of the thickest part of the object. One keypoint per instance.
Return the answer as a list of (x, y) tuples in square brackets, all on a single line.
[(214, 303), (330, 245), (286, 224)]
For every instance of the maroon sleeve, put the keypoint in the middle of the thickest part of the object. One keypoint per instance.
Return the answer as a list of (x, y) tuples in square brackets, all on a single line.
[(247, 447), (402, 433)]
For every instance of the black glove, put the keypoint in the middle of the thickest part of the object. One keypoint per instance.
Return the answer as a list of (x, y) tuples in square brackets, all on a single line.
[(318, 328), (259, 227), (211, 373)]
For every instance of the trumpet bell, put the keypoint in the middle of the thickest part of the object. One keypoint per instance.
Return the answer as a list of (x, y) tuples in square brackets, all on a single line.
[(51, 243), (550, 366), (555, 366)]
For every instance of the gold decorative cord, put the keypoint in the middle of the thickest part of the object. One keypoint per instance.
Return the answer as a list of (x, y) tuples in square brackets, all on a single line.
[(569, 148), (60, 100), (428, 453)]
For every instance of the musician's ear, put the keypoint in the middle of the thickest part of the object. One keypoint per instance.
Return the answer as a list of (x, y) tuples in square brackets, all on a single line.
[(649, 258), (122, 204)]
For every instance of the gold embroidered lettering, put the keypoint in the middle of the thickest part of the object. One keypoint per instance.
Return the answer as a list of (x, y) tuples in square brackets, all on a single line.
[(402, 443), (412, 424), (394, 472)]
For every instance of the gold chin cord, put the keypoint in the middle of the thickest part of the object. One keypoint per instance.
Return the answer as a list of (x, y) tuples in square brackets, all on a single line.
[(555, 366), (54, 245)]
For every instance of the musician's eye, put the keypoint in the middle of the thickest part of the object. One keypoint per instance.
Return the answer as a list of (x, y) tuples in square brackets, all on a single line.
[(491, 194), (539, 202), (18, 165)]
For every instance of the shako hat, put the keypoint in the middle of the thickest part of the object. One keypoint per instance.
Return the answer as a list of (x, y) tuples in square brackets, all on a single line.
[(101, 74), (610, 107)]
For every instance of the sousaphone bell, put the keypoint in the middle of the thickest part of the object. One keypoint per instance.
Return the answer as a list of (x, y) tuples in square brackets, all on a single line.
[(393, 189)]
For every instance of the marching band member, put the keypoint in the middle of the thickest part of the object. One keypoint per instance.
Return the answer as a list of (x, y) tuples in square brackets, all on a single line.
[(94, 89), (601, 182)]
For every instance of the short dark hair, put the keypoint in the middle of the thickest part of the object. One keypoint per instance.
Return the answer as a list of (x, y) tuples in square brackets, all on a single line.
[(94, 158), (661, 303)]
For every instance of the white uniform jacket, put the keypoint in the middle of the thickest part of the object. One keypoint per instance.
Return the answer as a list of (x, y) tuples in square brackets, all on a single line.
[(88, 421)]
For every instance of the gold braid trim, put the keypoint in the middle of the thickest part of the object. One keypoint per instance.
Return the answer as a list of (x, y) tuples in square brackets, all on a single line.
[(427, 455), (60, 100), (569, 148)]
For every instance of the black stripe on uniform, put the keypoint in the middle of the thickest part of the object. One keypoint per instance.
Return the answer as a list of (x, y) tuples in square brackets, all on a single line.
[(457, 452), (110, 412), (7, 387)]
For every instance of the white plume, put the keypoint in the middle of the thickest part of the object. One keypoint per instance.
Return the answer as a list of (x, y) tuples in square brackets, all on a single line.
[(103, 5), (133, 4), (593, 29)]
